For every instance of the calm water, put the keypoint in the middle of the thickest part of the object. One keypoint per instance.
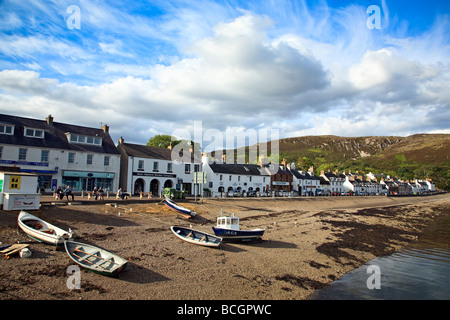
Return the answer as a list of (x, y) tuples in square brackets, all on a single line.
[(418, 272)]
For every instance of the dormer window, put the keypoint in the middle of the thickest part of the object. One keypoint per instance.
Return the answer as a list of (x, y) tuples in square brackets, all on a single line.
[(6, 129), (79, 138), (33, 133)]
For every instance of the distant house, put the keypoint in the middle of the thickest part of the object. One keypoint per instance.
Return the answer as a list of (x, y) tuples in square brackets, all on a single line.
[(305, 182), (335, 182), (233, 177), (281, 178), (60, 154), (150, 169)]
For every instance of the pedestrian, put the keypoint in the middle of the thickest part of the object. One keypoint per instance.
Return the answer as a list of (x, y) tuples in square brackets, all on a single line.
[(68, 193)]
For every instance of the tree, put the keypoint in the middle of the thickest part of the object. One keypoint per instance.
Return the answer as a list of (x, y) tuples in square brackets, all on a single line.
[(304, 163), (162, 141)]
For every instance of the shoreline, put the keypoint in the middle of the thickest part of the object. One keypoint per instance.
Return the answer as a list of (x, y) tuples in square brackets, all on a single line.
[(308, 243)]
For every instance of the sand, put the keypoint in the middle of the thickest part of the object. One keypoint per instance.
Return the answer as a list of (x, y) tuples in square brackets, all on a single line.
[(308, 243)]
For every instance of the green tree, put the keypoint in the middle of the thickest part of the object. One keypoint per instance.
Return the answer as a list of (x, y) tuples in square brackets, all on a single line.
[(162, 141), (304, 163)]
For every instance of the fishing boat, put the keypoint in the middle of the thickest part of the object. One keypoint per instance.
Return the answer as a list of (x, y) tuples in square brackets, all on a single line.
[(228, 228), (169, 203), (95, 259), (196, 237), (41, 230)]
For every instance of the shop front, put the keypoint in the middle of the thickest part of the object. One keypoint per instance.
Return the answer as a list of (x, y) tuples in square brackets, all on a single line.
[(87, 181)]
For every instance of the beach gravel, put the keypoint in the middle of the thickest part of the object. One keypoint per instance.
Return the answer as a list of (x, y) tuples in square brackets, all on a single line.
[(308, 243)]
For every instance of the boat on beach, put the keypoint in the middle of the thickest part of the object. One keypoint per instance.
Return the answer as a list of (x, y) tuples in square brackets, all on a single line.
[(95, 259), (196, 237), (42, 231), (169, 203), (228, 228)]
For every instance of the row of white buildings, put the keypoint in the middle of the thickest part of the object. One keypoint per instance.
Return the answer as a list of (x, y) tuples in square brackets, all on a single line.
[(84, 158)]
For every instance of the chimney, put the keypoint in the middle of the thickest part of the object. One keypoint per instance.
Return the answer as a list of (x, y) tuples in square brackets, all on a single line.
[(322, 173), (121, 141), (224, 158), (170, 146), (49, 120), (105, 128)]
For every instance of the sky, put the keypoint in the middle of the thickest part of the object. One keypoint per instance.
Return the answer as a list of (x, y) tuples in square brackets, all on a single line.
[(298, 68)]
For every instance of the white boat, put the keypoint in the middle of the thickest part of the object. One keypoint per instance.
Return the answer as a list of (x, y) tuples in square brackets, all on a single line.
[(42, 231), (178, 208), (95, 259), (228, 228), (196, 237)]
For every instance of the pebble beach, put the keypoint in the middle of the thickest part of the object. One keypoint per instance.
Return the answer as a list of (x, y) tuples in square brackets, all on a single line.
[(308, 243)]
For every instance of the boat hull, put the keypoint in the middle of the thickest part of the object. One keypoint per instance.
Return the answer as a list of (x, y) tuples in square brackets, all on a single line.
[(95, 259), (196, 237), (48, 234), (229, 234), (177, 208)]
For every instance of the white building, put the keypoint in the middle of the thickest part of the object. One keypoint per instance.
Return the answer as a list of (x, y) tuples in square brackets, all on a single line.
[(305, 182), (336, 182), (150, 169), (59, 154), (241, 178)]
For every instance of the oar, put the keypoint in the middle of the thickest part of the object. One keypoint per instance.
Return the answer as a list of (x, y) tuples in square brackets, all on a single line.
[(93, 255)]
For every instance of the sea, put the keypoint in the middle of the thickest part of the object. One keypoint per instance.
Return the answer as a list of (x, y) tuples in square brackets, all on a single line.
[(420, 271)]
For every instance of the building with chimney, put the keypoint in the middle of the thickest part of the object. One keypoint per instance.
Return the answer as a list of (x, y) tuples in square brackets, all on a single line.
[(148, 170), (60, 154)]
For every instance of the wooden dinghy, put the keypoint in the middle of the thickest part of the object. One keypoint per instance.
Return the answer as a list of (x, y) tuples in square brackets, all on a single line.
[(95, 259), (41, 230), (179, 209), (197, 237)]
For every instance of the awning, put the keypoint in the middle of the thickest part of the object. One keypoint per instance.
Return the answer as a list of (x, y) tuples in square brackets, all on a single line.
[(87, 174)]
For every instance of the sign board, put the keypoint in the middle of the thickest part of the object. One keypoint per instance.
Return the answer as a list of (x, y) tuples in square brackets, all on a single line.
[(21, 201), (200, 177)]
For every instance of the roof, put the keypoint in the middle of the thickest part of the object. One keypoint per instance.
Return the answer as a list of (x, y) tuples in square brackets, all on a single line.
[(55, 135), (144, 151), (236, 168), (306, 176)]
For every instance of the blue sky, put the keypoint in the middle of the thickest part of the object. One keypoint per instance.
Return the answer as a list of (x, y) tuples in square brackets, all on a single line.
[(301, 67)]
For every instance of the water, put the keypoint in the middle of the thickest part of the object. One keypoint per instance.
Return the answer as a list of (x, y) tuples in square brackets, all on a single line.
[(420, 271)]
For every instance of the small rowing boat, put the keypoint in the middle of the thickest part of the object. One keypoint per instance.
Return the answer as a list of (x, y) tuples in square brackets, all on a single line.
[(42, 231), (95, 259), (196, 237), (180, 209)]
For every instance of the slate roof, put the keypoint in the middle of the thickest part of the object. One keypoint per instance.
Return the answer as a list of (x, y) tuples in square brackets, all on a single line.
[(236, 168), (298, 175), (144, 151), (55, 135)]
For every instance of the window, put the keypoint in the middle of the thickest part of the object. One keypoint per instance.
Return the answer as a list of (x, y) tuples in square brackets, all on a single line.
[(89, 159), (221, 177), (1, 151), (78, 138), (187, 168), (71, 158), (229, 178), (14, 182), (22, 154), (141, 165), (44, 156), (6, 129), (239, 178), (34, 133), (169, 167), (106, 161), (155, 166), (196, 168)]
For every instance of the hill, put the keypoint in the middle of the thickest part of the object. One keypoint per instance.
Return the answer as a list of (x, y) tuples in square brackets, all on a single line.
[(417, 156)]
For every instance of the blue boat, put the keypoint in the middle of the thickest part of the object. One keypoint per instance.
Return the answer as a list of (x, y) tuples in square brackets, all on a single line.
[(228, 229), (177, 208)]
